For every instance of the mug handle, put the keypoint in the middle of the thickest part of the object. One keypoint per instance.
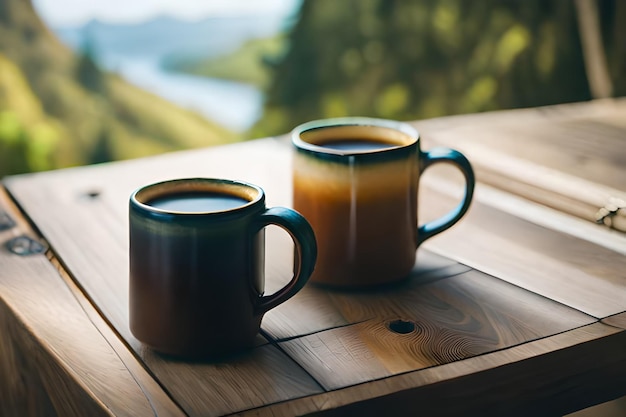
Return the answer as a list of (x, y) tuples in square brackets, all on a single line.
[(306, 253), (456, 158)]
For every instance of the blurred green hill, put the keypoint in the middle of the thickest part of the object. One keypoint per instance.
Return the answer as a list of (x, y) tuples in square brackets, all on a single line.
[(57, 109), (396, 59), (416, 59)]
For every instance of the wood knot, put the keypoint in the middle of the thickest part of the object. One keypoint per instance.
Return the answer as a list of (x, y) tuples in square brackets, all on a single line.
[(401, 326)]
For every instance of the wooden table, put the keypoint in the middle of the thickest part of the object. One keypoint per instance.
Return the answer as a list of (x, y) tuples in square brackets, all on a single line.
[(518, 310)]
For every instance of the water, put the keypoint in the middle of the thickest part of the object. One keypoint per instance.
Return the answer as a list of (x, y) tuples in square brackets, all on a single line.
[(234, 105), (137, 51)]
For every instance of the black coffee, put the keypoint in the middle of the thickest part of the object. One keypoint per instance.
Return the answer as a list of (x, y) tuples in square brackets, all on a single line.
[(357, 145), (197, 202)]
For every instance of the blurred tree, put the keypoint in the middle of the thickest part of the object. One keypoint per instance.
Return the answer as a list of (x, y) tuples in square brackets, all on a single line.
[(408, 59), (103, 149), (612, 14), (13, 144), (87, 72)]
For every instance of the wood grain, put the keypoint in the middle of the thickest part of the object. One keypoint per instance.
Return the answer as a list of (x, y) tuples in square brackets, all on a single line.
[(497, 298), (33, 383), (316, 309), (98, 257), (62, 359), (618, 320), (264, 375), (561, 267), (535, 378), (569, 157), (455, 318)]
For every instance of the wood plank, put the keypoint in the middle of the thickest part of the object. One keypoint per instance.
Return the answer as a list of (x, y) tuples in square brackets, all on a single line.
[(587, 148), (569, 157), (435, 323), (33, 383), (567, 269), (263, 162), (97, 255), (489, 237), (618, 320), (58, 354), (316, 309), (552, 219), (93, 247), (535, 378), (262, 376)]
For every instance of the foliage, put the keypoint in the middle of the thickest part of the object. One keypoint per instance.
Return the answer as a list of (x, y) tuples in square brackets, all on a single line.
[(249, 64), (406, 59), (398, 59), (87, 72), (58, 109), (612, 18), (27, 136)]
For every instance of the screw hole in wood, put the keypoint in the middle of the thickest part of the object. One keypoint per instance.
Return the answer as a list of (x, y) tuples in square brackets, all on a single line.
[(89, 195), (24, 246), (401, 326)]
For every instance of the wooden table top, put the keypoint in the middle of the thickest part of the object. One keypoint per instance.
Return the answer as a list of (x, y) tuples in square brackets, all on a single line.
[(520, 309)]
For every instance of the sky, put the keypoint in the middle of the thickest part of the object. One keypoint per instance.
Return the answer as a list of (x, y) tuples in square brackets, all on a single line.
[(59, 13)]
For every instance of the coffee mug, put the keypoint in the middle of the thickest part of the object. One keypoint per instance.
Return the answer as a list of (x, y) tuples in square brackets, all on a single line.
[(356, 181), (197, 250)]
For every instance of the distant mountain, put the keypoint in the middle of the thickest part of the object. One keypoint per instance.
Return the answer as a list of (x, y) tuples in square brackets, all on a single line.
[(57, 108), (163, 36)]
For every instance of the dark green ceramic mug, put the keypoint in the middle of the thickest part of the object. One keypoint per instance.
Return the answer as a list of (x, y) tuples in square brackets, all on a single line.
[(356, 181), (197, 249)]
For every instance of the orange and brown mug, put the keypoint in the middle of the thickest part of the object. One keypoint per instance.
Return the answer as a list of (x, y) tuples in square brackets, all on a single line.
[(356, 181)]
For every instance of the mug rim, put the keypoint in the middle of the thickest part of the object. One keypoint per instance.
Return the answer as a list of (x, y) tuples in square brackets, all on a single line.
[(137, 202), (402, 127)]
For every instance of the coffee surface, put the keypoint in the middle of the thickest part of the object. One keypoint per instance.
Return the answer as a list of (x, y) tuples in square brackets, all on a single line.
[(196, 202), (357, 145)]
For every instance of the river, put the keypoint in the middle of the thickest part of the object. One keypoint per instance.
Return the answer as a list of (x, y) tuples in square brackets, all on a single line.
[(136, 51), (236, 106)]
